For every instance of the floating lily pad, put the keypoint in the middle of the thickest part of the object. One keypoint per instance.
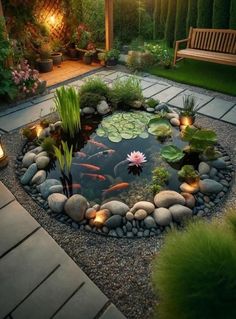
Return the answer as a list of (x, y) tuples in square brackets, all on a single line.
[(144, 135), (171, 153)]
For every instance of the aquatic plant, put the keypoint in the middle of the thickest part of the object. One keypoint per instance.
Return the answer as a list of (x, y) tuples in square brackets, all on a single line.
[(64, 156), (95, 85), (90, 100), (152, 103), (188, 173), (211, 153), (199, 139), (124, 126), (48, 145), (160, 176), (189, 106), (136, 158), (171, 153), (126, 90), (192, 276), (160, 128), (67, 103)]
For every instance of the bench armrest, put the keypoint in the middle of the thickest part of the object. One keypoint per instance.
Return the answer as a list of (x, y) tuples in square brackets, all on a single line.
[(177, 43)]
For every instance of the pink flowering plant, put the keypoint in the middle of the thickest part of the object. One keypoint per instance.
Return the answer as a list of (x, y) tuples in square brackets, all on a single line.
[(25, 78), (136, 158)]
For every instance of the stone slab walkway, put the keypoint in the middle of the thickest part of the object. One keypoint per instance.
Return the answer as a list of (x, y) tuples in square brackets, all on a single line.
[(211, 106), (37, 278)]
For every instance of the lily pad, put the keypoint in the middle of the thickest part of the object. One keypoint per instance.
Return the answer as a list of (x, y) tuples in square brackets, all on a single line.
[(115, 138), (171, 153), (159, 127)]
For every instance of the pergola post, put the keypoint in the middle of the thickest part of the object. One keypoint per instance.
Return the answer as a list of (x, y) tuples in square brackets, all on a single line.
[(109, 23), (1, 10)]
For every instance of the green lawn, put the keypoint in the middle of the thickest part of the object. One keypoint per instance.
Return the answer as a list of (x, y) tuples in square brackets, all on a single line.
[(216, 77)]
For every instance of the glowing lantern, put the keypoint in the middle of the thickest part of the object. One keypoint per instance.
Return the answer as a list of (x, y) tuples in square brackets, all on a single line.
[(38, 129), (186, 120), (3, 156), (52, 20), (101, 217)]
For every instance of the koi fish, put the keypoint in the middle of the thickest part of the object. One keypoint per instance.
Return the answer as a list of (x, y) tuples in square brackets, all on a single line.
[(88, 128), (98, 144), (116, 167), (80, 154), (99, 154), (75, 186), (88, 166), (116, 187), (95, 176)]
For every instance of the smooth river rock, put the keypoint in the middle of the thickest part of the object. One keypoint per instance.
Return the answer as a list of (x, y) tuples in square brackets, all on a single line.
[(76, 207), (147, 206), (103, 108), (180, 212), (162, 216), (28, 159), (189, 200), (168, 198), (57, 202), (30, 172), (219, 163), (203, 168), (175, 121), (114, 221), (39, 177), (116, 207), (209, 186), (42, 162), (140, 214), (149, 222), (36, 150), (44, 153), (186, 188), (44, 188), (55, 189)]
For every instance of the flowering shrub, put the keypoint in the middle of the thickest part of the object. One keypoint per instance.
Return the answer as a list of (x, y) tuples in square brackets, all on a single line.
[(154, 49), (25, 78)]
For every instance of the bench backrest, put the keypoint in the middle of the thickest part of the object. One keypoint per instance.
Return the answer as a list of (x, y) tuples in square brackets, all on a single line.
[(217, 40)]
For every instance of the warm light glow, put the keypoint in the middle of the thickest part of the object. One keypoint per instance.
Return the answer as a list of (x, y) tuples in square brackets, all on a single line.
[(52, 20), (38, 129), (194, 184), (1, 152), (186, 121), (101, 217)]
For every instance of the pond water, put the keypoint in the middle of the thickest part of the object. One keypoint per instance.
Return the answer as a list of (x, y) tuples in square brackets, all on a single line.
[(100, 170)]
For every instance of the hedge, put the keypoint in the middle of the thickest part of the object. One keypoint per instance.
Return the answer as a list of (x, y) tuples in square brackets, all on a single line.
[(180, 23), (220, 19), (170, 23), (192, 14), (232, 21), (204, 19)]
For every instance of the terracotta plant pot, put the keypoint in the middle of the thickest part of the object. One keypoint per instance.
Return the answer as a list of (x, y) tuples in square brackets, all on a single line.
[(56, 58), (45, 66), (87, 59)]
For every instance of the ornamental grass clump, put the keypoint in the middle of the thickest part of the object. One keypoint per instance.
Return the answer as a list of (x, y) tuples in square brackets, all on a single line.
[(96, 86), (126, 90), (194, 274), (67, 103)]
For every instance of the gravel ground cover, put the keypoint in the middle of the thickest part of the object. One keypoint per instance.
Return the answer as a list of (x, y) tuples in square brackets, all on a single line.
[(121, 268)]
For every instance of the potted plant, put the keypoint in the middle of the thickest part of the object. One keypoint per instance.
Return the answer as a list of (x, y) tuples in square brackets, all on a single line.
[(88, 57), (187, 114), (56, 55), (45, 62), (72, 51), (112, 57)]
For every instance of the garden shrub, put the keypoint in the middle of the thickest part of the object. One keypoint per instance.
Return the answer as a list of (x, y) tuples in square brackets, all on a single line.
[(170, 23), (194, 274), (204, 19), (126, 90), (192, 14), (95, 85), (180, 26), (220, 19), (90, 100), (232, 20)]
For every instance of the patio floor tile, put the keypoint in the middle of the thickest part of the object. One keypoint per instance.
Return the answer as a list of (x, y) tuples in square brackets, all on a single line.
[(168, 94), (230, 116), (201, 99), (154, 89), (216, 108), (5, 196)]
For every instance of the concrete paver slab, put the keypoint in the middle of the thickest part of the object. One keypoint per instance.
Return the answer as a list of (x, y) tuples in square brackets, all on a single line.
[(216, 108), (154, 89), (230, 116), (168, 94), (5, 196), (201, 99)]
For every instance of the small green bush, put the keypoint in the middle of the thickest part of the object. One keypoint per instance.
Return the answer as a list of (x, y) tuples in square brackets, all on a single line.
[(48, 145), (90, 100), (160, 176), (152, 102), (125, 91), (194, 274), (95, 85)]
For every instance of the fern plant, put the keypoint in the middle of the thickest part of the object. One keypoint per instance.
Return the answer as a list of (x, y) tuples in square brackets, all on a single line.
[(67, 101)]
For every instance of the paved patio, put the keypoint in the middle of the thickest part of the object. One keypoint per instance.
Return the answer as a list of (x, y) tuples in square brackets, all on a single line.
[(208, 105), (38, 279)]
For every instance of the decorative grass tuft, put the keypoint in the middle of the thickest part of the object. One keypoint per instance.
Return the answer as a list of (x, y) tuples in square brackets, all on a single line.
[(195, 273)]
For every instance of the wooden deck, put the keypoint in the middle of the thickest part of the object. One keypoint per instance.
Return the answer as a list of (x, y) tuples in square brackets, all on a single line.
[(67, 70), (38, 280)]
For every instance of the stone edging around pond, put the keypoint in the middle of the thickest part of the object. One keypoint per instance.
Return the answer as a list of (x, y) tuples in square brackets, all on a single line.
[(115, 218)]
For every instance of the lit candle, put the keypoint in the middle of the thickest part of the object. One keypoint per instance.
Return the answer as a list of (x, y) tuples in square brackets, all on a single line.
[(38, 130), (1, 152)]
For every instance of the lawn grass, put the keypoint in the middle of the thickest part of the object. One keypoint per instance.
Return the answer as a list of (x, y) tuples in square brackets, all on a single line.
[(211, 76)]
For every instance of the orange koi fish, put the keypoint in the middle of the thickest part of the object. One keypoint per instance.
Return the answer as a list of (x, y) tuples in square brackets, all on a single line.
[(98, 144), (75, 186), (80, 154), (99, 154), (116, 187), (95, 176), (89, 166)]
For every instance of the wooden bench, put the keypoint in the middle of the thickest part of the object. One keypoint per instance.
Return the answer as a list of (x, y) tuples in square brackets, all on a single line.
[(212, 45)]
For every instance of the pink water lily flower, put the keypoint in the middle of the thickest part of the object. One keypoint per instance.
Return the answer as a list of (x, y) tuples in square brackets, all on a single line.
[(136, 158)]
